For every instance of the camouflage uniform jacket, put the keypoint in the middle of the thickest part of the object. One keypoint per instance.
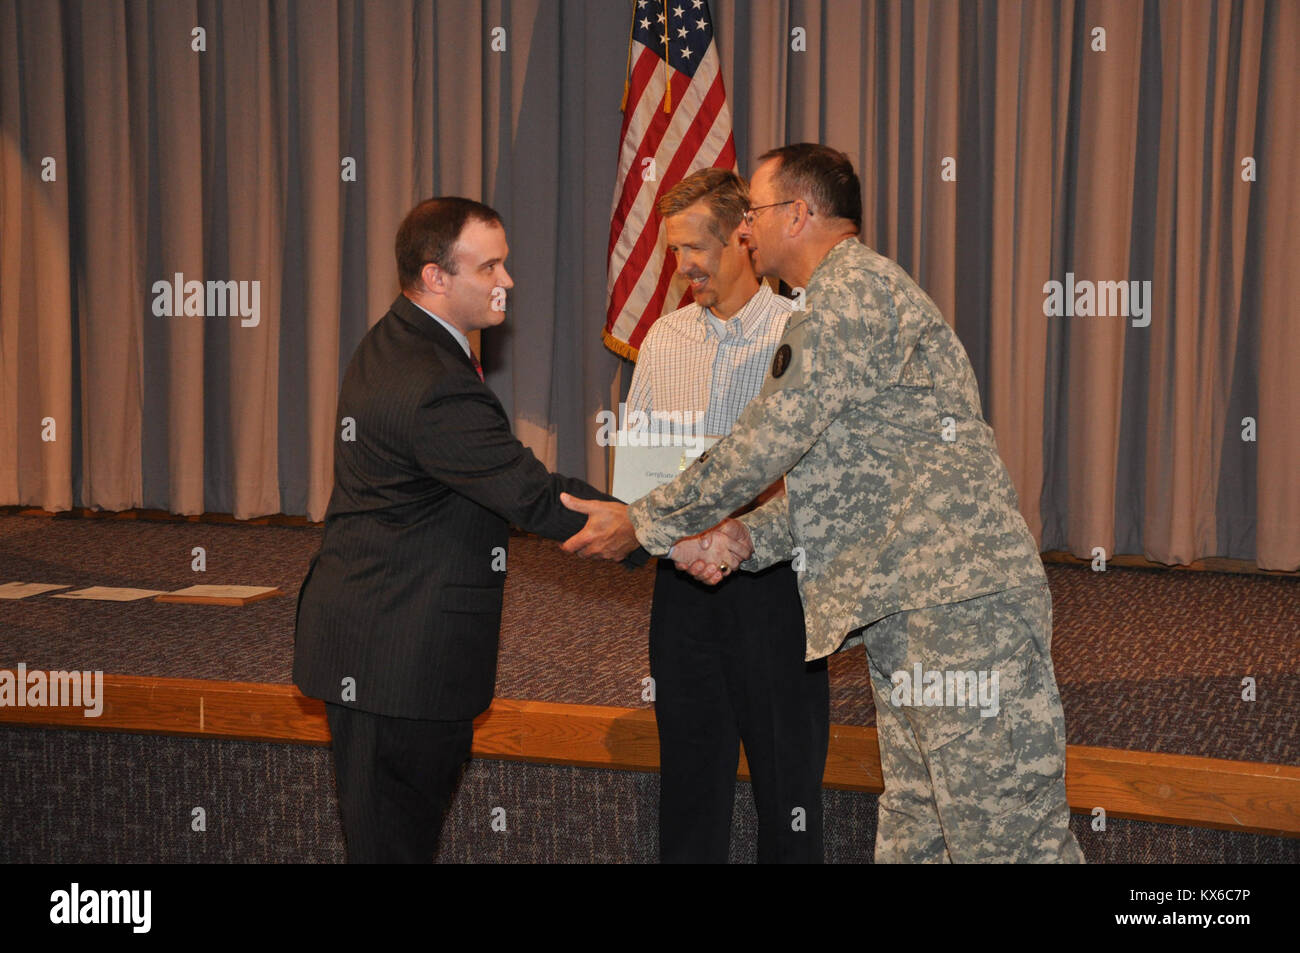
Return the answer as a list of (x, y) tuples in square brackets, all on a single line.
[(896, 497)]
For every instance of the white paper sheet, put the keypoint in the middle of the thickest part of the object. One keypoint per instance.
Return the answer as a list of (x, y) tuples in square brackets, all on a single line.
[(109, 594), (21, 590)]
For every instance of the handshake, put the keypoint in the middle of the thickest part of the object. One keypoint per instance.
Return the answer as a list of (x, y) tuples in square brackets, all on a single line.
[(709, 556)]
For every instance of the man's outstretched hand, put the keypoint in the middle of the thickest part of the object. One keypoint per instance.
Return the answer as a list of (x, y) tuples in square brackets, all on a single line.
[(608, 533), (716, 553)]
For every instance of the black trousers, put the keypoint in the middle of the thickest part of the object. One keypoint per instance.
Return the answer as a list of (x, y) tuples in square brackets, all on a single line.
[(728, 665), (396, 777)]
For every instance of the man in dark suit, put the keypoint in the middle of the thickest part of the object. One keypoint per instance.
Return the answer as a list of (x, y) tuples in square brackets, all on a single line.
[(398, 616)]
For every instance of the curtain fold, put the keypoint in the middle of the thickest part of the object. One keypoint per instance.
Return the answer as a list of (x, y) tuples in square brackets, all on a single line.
[(175, 372), (38, 376), (1271, 289), (999, 149), (310, 377), (1020, 240)]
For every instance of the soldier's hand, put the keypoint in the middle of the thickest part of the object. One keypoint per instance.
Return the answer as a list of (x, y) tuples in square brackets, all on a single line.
[(714, 554), (608, 533), (688, 556), (739, 541)]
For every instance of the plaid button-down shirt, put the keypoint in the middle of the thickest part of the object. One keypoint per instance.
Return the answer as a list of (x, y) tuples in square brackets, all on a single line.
[(686, 366)]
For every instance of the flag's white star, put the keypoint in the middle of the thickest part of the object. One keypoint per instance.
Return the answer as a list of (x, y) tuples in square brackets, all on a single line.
[(677, 12), (700, 24), (661, 18), (640, 4), (696, 4), (686, 53), (645, 24), (681, 31)]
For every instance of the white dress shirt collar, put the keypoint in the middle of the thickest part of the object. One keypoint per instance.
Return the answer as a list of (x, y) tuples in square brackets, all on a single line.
[(750, 316), (455, 332)]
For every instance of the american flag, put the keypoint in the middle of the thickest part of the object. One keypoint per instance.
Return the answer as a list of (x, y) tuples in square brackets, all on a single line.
[(675, 121)]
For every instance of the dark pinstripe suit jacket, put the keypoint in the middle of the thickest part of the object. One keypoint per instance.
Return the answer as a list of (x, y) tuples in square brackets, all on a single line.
[(403, 597)]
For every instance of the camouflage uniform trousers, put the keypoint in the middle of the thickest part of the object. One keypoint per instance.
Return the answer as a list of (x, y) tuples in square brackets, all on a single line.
[(959, 786)]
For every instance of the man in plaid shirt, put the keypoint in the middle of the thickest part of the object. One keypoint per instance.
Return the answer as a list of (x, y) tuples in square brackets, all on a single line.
[(728, 661)]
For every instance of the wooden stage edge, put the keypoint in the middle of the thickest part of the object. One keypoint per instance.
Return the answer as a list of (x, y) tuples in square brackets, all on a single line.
[(1169, 789)]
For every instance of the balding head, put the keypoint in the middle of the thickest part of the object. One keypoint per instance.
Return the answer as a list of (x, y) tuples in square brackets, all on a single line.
[(805, 198)]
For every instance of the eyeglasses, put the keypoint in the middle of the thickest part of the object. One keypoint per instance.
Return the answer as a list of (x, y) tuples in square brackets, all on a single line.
[(749, 215)]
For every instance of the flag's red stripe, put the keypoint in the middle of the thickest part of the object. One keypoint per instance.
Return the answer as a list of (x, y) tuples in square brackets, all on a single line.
[(653, 308), (727, 157), (639, 257), (648, 147), (653, 138), (646, 135), (643, 70), (682, 158), (655, 305), (643, 74)]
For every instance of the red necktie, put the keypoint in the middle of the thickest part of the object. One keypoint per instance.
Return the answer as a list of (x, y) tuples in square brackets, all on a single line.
[(477, 366)]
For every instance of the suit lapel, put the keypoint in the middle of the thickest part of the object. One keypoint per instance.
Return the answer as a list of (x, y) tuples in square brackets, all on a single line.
[(423, 324)]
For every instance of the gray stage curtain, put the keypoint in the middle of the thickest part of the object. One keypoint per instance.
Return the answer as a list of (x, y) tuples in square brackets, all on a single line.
[(1115, 165)]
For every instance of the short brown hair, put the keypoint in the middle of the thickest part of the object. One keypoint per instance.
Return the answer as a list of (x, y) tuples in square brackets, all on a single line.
[(429, 233), (726, 194), (821, 176)]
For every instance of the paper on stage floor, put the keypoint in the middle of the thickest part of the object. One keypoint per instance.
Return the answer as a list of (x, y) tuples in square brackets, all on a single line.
[(220, 595), (109, 594), (21, 590)]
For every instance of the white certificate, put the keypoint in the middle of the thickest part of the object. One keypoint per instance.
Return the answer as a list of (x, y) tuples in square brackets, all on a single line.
[(21, 590), (638, 470), (108, 594)]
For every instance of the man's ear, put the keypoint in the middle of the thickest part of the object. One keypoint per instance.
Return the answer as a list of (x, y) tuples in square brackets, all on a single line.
[(434, 278), (800, 217)]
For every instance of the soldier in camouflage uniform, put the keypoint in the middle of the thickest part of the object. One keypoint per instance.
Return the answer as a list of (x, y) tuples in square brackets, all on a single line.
[(904, 520)]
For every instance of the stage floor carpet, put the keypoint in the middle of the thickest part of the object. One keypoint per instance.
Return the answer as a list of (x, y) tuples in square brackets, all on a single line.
[(1146, 660)]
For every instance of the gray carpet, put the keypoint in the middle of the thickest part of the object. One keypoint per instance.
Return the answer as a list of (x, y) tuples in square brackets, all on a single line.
[(98, 797)]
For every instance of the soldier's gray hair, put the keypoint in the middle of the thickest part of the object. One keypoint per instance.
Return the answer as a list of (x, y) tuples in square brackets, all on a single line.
[(821, 176)]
